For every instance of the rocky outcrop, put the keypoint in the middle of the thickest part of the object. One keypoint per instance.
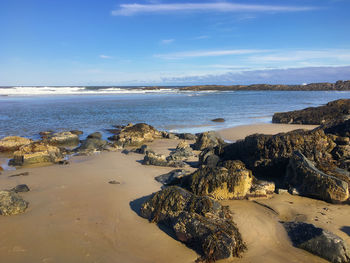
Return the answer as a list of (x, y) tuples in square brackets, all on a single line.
[(310, 181), (182, 152), (220, 182), (318, 241), (134, 135), (11, 203), (335, 110), (35, 153), (198, 221), (268, 155), (152, 158), (63, 139), (207, 140), (92, 143), (13, 143)]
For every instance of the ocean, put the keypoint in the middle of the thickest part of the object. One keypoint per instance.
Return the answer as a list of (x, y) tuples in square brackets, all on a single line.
[(25, 111)]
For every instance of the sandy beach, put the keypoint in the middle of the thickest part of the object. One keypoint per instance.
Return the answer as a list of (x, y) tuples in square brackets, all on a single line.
[(75, 215)]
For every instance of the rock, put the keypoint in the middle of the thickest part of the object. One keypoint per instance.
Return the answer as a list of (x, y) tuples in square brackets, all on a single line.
[(63, 162), (34, 153), (338, 128), (45, 134), (207, 140), (20, 188), (13, 143), (309, 181), (268, 155), (187, 136), (92, 144), (334, 110), (19, 174), (208, 158), (218, 120), (63, 138), (143, 149), (168, 135), (114, 182), (182, 152), (172, 178), (261, 189), (221, 183), (11, 203), (77, 132), (95, 135), (198, 221), (318, 241), (282, 191), (152, 158), (113, 131), (134, 135)]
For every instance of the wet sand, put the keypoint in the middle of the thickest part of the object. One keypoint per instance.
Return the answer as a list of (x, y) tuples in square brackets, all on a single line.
[(75, 215)]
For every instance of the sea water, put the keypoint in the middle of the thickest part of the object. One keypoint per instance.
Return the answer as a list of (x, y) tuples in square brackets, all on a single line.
[(26, 113)]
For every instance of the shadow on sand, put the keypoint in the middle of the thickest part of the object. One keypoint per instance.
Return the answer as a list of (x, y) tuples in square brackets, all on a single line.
[(346, 229)]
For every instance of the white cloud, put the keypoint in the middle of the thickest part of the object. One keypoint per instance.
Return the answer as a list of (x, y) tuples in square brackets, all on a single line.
[(167, 41), (212, 53), (104, 56), (134, 9)]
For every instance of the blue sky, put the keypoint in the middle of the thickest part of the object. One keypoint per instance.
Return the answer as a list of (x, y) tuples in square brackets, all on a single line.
[(85, 42)]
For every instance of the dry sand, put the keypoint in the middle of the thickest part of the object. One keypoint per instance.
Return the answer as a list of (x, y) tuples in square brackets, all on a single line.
[(75, 215)]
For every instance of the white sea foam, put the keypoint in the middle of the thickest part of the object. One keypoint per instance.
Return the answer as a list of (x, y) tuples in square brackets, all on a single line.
[(32, 91)]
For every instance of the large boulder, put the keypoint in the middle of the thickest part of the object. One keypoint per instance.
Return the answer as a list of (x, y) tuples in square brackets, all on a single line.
[(318, 241), (63, 138), (182, 152), (208, 139), (334, 110), (11, 203), (310, 181), (13, 143), (208, 158), (220, 183), (134, 135), (174, 177), (198, 221), (35, 153), (268, 155)]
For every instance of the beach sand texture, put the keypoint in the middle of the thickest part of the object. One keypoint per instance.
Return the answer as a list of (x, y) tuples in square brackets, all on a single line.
[(75, 215)]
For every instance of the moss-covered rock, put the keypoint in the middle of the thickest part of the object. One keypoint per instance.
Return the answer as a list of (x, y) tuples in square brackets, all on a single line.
[(11, 203), (135, 135), (13, 143)]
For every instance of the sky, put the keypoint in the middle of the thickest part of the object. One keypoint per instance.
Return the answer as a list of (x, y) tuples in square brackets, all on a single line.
[(154, 42)]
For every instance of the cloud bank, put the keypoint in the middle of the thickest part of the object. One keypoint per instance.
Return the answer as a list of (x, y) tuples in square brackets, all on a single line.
[(135, 9)]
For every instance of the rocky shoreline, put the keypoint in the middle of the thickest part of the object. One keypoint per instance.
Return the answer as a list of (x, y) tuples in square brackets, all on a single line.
[(313, 164)]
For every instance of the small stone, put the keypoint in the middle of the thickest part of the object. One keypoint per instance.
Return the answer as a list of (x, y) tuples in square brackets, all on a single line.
[(114, 182), (218, 120), (19, 174), (63, 162), (21, 188)]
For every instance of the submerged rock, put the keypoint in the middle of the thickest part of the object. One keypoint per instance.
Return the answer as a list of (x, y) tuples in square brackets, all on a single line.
[(198, 221), (318, 241), (334, 110), (34, 153), (13, 143), (309, 181), (207, 140), (11, 203)]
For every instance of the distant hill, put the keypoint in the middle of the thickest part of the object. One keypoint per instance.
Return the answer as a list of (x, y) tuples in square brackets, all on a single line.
[(339, 85)]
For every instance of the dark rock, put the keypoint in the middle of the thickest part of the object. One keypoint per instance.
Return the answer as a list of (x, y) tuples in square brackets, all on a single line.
[(318, 241), (200, 222), (268, 155), (113, 131), (11, 203), (19, 174), (91, 144), (143, 149), (20, 188), (209, 158), (45, 134), (334, 110), (114, 182), (339, 128), (182, 152), (172, 178), (207, 140), (310, 181), (152, 158), (63, 162), (186, 136), (95, 135), (218, 120), (134, 135)]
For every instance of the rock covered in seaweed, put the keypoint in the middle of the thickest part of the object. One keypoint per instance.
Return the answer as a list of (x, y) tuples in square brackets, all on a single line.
[(310, 181), (11, 203), (35, 153), (152, 158), (13, 143), (198, 221), (334, 110), (318, 241), (182, 152)]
